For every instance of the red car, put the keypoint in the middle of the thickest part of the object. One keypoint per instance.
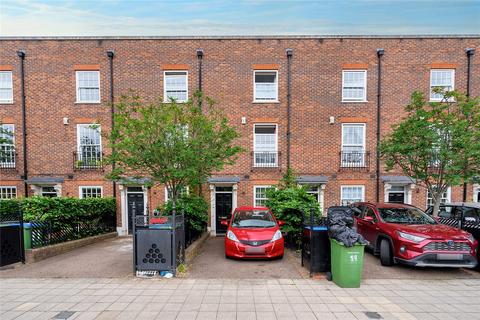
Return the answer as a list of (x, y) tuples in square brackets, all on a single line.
[(253, 232), (401, 233)]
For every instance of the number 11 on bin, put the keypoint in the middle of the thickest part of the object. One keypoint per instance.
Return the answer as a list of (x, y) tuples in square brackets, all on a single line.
[(353, 257)]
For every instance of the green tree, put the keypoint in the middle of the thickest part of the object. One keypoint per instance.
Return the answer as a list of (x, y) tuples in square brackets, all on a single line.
[(437, 143), (175, 144)]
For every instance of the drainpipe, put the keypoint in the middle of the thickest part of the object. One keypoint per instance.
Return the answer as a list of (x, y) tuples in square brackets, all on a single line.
[(21, 55), (470, 52), (289, 63), (110, 55), (380, 53), (200, 58)]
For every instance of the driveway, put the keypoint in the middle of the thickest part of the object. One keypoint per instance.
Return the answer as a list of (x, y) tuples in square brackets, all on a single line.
[(211, 263), (111, 258), (374, 270)]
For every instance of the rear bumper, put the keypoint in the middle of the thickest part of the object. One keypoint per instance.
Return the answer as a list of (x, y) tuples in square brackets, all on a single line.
[(431, 260), (240, 251)]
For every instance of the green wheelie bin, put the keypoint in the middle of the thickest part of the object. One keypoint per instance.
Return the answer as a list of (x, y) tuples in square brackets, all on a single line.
[(347, 264)]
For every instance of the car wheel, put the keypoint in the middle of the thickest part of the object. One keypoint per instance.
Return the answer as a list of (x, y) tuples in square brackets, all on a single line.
[(386, 258)]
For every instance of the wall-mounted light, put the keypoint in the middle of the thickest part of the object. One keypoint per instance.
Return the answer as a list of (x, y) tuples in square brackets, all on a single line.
[(244, 120), (331, 120), (65, 121)]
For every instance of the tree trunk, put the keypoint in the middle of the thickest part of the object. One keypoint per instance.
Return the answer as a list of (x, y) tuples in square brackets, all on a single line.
[(436, 197)]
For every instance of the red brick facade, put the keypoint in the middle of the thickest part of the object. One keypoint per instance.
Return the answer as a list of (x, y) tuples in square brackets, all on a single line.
[(228, 66)]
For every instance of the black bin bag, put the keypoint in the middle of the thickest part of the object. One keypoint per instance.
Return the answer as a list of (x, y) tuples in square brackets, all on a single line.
[(340, 224)]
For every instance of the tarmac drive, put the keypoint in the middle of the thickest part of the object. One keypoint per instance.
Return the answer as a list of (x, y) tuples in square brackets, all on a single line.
[(111, 258), (211, 263)]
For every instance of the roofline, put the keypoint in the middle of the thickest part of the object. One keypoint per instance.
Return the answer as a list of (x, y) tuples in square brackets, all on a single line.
[(240, 37)]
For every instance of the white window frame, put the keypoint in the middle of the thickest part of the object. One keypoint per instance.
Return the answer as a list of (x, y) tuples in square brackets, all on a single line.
[(364, 97), (10, 127), (319, 191), (165, 97), (3, 192), (352, 186), (57, 193), (255, 143), (255, 194), (8, 101), (77, 72), (448, 199), (364, 146), (80, 191), (187, 192), (255, 100), (396, 191), (476, 193), (452, 71), (79, 150)]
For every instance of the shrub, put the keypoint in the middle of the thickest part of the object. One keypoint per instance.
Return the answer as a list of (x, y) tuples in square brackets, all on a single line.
[(195, 209), (289, 203)]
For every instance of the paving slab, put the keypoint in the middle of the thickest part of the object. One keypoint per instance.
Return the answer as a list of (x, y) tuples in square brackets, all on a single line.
[(366, 302)]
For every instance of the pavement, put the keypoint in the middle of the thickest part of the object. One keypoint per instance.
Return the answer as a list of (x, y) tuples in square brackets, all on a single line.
[(111, 258), (262, 299)]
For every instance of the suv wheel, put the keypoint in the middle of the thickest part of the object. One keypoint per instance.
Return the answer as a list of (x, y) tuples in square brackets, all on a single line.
[(386, 258)]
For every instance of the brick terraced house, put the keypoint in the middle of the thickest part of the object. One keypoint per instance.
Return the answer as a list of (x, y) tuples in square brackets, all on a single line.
[(308, 102)]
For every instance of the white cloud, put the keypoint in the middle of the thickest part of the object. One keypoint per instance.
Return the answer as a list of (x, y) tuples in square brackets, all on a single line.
[(30, 18)]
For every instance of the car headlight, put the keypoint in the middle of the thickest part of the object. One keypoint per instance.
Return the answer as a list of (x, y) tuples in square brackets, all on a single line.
[(232, 236), (277, 235), (471, 238), (411, 237)]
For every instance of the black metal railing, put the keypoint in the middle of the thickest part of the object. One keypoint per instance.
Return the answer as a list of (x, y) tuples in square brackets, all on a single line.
[(358, 160), (87, 162), (47, 233), (265, 159)]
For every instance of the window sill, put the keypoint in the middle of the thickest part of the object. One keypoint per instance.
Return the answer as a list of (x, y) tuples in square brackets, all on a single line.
[(442, 100), (175, 101), (6, 102), (87, 102), (355, 101), (263, 102)]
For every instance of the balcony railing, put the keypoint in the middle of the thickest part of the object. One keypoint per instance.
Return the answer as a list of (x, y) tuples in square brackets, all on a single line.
[(265, 159), (7, 160), (87, 162), (354, 160)]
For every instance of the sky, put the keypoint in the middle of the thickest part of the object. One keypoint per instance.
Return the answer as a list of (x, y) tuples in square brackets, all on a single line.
[(253, 17)]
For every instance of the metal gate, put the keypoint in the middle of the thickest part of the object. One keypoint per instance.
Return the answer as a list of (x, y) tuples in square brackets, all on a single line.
[(12, 248)]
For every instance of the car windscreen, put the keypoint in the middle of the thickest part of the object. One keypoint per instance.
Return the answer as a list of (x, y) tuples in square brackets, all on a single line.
[(253, 219), (405, 216)]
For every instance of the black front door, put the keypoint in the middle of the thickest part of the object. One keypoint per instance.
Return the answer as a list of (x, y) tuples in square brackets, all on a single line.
[(223, 210), (137, 199)]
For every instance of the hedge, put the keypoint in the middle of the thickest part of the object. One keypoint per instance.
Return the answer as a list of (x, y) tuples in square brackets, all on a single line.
[(61, 210)]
